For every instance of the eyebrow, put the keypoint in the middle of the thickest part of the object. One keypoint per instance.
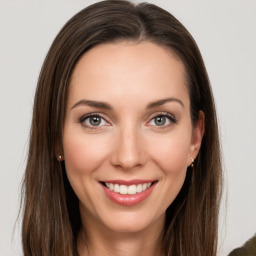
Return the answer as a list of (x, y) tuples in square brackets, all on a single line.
[(92, 103), (163, 101), (104, 105)]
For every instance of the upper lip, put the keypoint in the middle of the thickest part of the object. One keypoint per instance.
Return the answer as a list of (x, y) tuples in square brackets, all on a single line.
[(128, 182)]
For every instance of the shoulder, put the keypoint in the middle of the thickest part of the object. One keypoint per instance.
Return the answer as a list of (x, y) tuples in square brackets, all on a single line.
[(248, 249)]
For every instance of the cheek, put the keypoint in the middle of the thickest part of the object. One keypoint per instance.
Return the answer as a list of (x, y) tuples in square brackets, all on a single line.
[(171, 156), (83, 154), (171, 153)]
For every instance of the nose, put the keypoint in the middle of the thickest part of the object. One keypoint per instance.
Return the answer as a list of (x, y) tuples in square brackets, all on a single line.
[(129, 150)]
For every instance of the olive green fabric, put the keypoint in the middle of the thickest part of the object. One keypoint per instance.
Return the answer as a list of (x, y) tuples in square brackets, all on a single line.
[(249, 248)]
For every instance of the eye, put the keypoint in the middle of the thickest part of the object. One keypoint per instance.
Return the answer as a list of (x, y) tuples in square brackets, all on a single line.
[(159, 120), (163, 120), (93, 121)]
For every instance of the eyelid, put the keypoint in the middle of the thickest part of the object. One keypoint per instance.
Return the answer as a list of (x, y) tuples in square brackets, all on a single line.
[(173, 120), (170, 116), (101, 115), (92, 114)]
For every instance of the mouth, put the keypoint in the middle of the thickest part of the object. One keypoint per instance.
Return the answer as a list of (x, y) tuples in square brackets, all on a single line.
[(128, 189), (128, 193)]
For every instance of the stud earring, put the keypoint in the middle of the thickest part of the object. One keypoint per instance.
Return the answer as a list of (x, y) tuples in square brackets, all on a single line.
[(192, 160), (60, 157)]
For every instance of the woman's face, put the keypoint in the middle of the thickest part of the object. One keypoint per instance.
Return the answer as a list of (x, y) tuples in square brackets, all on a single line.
[(128, 137)]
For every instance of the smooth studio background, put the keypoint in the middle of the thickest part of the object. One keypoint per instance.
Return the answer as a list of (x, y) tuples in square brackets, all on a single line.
[(226, 34)]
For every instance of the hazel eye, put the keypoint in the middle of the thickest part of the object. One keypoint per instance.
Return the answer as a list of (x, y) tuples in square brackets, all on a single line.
[(163, 120), (93, 121), (160, 120)]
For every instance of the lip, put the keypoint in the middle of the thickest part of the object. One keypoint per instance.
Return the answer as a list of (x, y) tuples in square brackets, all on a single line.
[(128, 182), (128, 200)]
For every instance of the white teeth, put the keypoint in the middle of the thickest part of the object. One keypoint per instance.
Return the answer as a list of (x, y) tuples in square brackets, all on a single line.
[(123, 189), (116, 188), (130, 190), (139, 188), (144, 186)]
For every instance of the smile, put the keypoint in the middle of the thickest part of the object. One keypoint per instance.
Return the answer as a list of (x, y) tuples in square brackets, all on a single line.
[(128, 193), (130, 190)]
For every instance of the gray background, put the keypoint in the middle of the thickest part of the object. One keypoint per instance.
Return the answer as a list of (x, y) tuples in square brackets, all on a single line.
[(226, 35)]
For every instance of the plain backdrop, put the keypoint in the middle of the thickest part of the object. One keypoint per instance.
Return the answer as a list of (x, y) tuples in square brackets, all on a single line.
[(226, 34)]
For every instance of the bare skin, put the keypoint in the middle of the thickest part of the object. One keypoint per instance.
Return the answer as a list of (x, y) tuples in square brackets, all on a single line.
[(128, 119), (101, 241)]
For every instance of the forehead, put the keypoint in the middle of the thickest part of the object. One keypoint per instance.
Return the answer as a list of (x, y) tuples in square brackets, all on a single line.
[(128, 69)]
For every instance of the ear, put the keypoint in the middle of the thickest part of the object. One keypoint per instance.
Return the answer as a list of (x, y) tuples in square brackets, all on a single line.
[(196, 138)]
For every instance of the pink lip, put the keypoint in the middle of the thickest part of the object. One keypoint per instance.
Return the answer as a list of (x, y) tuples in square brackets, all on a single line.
[(128, 182), (128, 200)]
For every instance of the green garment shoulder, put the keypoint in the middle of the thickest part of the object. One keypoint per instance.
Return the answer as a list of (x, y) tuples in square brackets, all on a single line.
[(248, 249)]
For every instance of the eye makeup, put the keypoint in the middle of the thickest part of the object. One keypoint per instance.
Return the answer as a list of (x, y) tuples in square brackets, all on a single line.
[(95, 120)]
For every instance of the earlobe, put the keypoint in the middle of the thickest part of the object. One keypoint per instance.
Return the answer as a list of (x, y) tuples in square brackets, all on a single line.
[(192, 162), (197, 136), (59, 156)]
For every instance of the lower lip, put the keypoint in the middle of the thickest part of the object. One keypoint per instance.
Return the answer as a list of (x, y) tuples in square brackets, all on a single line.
[(128, 200)]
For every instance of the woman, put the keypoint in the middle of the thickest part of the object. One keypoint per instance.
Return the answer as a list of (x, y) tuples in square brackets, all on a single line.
[(124, 154)]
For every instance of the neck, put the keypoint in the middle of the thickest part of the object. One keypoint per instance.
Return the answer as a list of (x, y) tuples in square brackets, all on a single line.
[(99, 240)]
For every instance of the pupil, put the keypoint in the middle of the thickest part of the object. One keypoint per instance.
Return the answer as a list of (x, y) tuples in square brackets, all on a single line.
[(160, 120), (95, 120)]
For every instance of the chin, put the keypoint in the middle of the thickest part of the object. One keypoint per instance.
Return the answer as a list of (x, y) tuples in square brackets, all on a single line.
[(131, 222)]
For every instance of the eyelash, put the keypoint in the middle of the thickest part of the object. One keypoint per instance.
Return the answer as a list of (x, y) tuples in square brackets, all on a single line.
[(167, 115), (83, 118), (170, 117)]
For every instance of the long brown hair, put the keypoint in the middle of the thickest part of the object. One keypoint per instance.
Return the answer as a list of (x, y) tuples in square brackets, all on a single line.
[(51, 215)]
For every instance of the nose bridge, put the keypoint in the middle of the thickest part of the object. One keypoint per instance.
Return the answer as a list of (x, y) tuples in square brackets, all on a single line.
[(129, 151)]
